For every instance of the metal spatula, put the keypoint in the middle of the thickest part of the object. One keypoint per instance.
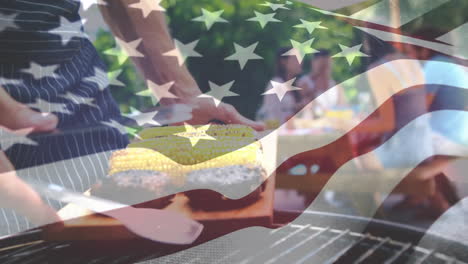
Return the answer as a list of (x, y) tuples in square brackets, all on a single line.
[(153, 224)]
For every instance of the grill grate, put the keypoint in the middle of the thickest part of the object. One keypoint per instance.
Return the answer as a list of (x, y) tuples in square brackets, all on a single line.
[(305, 244), (290, 244)]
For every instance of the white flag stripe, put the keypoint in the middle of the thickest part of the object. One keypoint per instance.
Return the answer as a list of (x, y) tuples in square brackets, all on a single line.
[(461, 30), (448, 225), (455, 51), (457, 37), (380, 13)]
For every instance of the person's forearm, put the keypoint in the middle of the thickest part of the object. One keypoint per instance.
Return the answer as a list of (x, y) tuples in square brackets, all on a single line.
[(129, 24)]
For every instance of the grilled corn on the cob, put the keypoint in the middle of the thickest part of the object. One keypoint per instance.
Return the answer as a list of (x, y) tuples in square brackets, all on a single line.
[(147, 159), (174, 155)]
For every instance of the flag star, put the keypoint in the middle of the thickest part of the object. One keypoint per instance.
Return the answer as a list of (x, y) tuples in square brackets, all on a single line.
[(83, 22), (48, 107), (146, 118), (79, 100), (280, 89), (86, 4), (39, 71), (133, 132), (300, 50), (183, 51), (148, 6), (125, 50), (8, 21), (274, 6), (112, 76), (263, 19), (210, 18), (146, 93), (69, 30), (219, 92), (200, 134), (11, 138), (310, 26), (158, 91), (99, 78), (124, 130), (121, 55), (350, 53), (133, 112), (114, 124), (243, 55)]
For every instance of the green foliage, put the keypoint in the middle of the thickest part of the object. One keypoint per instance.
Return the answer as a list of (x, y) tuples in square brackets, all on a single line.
[(129, 76), (217, 43)]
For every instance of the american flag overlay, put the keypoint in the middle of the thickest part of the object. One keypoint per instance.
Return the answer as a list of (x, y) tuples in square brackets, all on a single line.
[(233, 131)]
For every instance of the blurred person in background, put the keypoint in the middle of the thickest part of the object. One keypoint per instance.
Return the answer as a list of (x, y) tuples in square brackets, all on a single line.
[(287, 68), (419, 142), (318, 81), (396, 151), (449, 129), (397, 73)]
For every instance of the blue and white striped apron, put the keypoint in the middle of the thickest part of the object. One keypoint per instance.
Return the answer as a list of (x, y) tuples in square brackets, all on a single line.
[(77, 156)]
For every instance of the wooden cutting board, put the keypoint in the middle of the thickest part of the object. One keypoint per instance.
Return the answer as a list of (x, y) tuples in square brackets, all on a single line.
[(84, 225), (81, 224)]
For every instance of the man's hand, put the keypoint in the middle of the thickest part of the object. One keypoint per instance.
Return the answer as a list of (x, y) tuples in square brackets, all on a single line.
[(15, 193), (204, 111), (16, 116), (154, 66)]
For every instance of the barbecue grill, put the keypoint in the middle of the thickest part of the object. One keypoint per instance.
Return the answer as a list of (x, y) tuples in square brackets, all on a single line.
[(315, 237)]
